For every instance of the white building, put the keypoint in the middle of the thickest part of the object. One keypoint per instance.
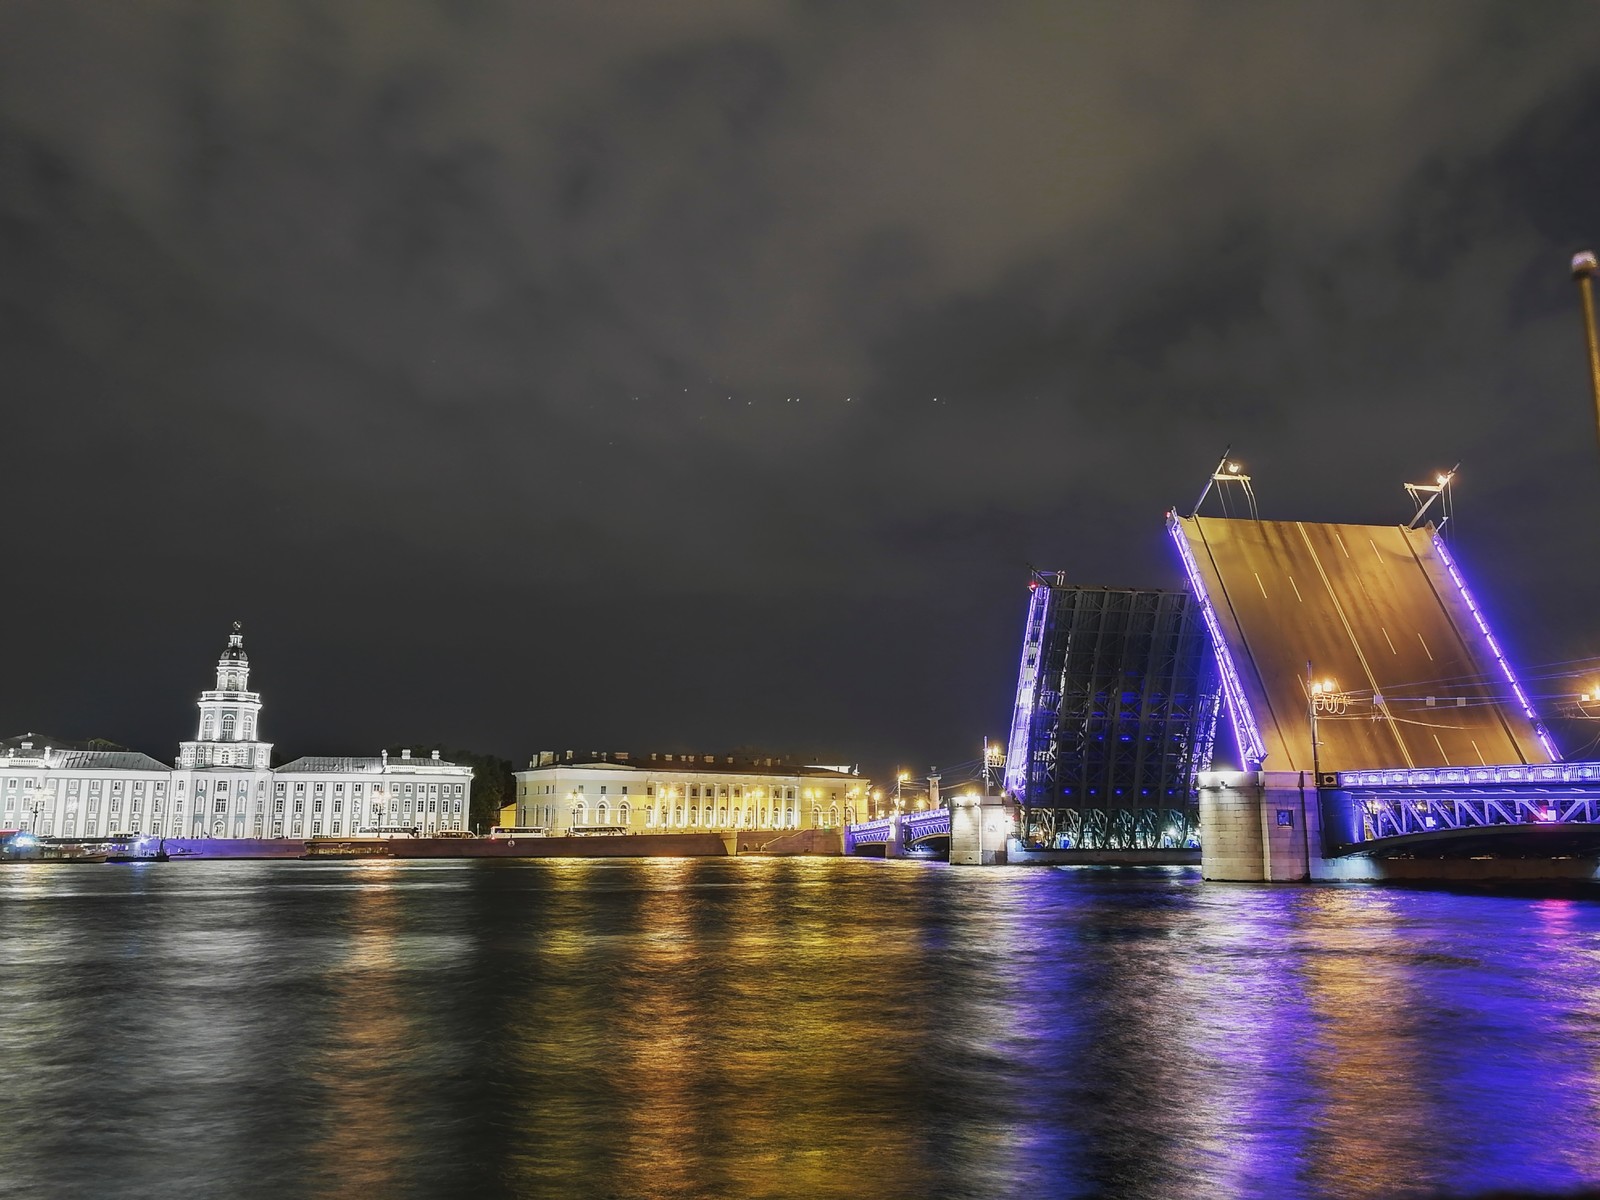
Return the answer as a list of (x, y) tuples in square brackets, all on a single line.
[(570, 792), (223, 784), (325, 796), (81, 793)]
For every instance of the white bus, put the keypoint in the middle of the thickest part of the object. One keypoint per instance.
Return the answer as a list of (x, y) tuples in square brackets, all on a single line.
[(502, 832), (390, 831)]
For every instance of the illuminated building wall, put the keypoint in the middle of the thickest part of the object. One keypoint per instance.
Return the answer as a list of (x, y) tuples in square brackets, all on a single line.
[(1116, 711), (569, 791), (314, 797)]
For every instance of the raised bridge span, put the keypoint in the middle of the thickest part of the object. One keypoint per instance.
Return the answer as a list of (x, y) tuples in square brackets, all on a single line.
[(1376, 715), (1377, 718), (1382, 612)]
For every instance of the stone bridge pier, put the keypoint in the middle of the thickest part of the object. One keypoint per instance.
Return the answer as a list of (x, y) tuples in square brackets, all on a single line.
[(980, 827), (1259, 826)]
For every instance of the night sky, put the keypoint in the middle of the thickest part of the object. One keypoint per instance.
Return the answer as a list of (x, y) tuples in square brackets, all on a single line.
[(707, 375)]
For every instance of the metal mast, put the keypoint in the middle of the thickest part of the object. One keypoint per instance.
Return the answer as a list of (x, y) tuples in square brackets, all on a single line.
[(1583, 269)]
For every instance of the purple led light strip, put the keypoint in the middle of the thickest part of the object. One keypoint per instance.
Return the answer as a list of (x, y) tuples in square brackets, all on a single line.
[(1252, 750), (1022, 715), (1477, 615)]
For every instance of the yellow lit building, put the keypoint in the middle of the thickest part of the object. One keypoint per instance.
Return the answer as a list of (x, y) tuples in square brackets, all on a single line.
[(574, 792)]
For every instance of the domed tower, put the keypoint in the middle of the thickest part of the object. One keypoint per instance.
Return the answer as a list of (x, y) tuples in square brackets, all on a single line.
[(229, 717)]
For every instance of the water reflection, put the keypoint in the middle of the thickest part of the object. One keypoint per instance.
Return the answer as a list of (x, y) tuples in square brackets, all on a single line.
[(805, 1028)]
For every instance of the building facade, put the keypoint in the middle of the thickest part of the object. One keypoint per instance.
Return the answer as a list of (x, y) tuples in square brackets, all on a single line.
[(573, 793), (328, 796), (222, 783)]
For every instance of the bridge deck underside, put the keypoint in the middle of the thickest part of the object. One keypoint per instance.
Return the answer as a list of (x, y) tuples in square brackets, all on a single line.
[(1375, 609)]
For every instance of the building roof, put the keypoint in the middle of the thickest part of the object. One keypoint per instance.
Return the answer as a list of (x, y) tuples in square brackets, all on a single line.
[(83, 760), (320, 765), (705, 764)]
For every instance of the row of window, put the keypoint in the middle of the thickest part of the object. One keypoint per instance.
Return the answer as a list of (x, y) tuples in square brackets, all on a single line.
[(91, 827), (691, 816), (208, 728), (692, 791), (431, 789)]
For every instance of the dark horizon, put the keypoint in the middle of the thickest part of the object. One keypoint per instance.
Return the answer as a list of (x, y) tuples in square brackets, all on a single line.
[(712, 378)]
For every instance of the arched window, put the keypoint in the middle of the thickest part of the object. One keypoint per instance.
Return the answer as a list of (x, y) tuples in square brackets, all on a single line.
[(580, 813), (602, 811), (624, 813), (206, 728), (722, 816), (833, 815), (249, 728), (678, 816), (227, 727), (649, 815), (849, 815)]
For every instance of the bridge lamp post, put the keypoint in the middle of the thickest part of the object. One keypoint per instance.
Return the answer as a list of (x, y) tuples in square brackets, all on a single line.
[(877, 802), (1583, 269), (899, 782), (1321, 695)]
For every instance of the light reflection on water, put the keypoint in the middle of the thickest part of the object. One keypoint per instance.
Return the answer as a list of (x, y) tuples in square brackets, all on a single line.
[(776, 1028)]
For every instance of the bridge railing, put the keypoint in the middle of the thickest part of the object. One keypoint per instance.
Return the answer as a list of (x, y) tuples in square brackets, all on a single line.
[(871, 833), (1546, 773)]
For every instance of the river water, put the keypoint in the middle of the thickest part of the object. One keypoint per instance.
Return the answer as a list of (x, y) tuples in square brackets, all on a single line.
[(783, 1028)]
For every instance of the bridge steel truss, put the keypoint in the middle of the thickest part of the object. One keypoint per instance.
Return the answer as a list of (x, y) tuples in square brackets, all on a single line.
[(1418, 803), (1117, 704)]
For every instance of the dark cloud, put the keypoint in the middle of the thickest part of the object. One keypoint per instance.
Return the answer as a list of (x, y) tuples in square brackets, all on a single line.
[(708, 372)]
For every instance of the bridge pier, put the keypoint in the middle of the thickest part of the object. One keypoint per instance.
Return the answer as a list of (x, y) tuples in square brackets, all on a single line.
[(1266, 827), (895, 845), (979, 830)]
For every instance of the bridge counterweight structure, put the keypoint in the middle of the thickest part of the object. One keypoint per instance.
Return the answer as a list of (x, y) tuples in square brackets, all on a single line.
[(1115, 715)]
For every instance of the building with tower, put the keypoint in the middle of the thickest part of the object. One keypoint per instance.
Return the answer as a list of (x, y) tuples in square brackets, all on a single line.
[(224, 776), (223, 784)]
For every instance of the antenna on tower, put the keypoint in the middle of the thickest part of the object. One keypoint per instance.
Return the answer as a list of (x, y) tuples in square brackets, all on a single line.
[(1423, 496), (1228, 473)]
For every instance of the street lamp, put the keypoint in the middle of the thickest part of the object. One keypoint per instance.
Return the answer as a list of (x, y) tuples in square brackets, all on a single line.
[(899, 782)]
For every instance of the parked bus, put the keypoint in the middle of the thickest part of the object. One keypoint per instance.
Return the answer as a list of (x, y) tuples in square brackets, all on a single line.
[(502, 832)]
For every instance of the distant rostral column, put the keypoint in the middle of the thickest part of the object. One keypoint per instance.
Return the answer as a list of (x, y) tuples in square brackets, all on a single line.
[(1583, 269)]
